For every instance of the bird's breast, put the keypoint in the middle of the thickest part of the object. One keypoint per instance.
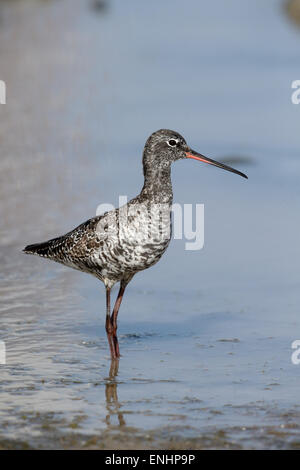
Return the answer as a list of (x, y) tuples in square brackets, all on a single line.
[(145, 235), (134, 237)]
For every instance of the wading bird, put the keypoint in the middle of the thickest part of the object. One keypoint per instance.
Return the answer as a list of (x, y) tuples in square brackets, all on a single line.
[(118, 244)]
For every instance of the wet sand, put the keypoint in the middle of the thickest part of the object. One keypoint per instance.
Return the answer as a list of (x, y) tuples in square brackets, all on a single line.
[(205, 336)]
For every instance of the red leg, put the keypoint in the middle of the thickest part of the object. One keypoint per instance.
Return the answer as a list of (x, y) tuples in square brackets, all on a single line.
[(113, 318), (109, 326)]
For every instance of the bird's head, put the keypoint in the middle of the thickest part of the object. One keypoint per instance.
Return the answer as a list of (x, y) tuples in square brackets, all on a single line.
[(164, 147)]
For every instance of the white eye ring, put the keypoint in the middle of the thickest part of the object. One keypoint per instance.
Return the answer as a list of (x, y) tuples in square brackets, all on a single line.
[(172, 142)]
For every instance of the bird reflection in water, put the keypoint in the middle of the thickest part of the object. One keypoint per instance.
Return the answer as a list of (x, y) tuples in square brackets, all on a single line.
[(112, 403)]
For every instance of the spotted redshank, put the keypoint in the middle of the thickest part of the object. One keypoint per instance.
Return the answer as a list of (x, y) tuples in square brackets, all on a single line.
[(118, 244)]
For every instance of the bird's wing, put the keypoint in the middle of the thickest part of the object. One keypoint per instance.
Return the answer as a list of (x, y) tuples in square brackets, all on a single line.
[(79, 242)]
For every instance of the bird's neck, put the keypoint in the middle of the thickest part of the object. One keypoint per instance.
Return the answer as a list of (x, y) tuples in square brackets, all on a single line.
[(157, 184)]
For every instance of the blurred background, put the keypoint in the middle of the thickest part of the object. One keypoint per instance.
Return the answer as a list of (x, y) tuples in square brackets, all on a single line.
[(205, 335)]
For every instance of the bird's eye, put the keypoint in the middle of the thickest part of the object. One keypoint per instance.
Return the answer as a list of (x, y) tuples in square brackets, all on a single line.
[(172, 142)]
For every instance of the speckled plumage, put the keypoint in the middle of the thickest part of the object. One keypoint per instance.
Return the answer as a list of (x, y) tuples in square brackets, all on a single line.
[(114, 246), (100, 248), (118, 244)]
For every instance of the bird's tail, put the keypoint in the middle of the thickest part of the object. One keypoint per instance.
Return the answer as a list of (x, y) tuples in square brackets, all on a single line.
[(44, 249)]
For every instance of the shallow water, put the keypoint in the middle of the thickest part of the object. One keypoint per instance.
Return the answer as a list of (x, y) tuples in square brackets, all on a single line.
[(205, 335)]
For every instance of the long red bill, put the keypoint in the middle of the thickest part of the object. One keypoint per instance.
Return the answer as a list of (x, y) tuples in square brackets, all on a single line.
[(201, 158)]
